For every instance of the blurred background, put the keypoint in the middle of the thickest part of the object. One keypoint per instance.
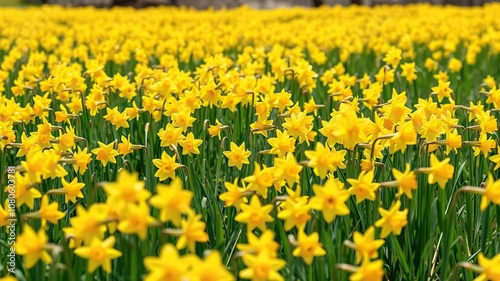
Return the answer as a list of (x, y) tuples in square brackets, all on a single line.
[(217, 4)]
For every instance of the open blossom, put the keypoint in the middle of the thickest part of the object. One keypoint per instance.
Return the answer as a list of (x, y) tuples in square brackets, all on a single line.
[(491, 193), (308, 247), (369, 271), (237, 155), (330, 199), (439, 171), (166, 166), (31, 245), (99, 253), (392, 220), (105, 153), (366, 245), (363, 187), (490, 268), (254, 214)]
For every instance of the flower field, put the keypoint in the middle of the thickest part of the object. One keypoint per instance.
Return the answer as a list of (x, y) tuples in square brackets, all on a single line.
[(342, 143)]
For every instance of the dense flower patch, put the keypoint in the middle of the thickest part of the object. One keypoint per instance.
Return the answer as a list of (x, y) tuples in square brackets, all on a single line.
[(328, 144)]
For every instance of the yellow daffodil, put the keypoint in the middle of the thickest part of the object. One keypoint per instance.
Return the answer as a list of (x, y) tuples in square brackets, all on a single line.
[(491, 193), (254, 214), (166, 166), (172, 201), (490, 268), (392, 220), (190, 145), (363, 187), (31, 245), (330, 199), (369, 271), (137, 220), (406, 181), (261, 180), (366, 245), (99, 253), (211, 268), (105, 153), (308, 247), (439, 171), (262, 267), (193, 230), (287, 169), (237, 155), (258, 244), (324, 159)]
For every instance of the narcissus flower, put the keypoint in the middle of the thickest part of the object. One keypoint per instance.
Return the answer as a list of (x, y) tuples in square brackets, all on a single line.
[(409, 72), (26, 193), (31, 245), (47, 212), (193, 230), (363, 187), (258, 244), (234, 194), (127, 190), (170, 135), (439, 171), (490, 267), (281, 144), (254, 214), (215, 130), (87, 224), (211, 268), (261, 180), (406, 135), (126, 147), (308, 247), (5, 214), (366, 245), (183, 119), (237, 155), (295, 212), (453, 141), (330, 199), (407, 181), (99, 253), (166, 166), (137, 220), (190, 145), (262, 267), (172, 201), (491, 193), (393, 220), (72, 190), (168, 265), (455, 65), (369, 271), (393, 57), (105, 153), (117, 118), (80, 160), (442, 90), (287, 169), (324, 160)]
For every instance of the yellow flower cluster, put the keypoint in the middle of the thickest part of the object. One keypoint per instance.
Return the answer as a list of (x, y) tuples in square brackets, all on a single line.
[(206, 145)]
